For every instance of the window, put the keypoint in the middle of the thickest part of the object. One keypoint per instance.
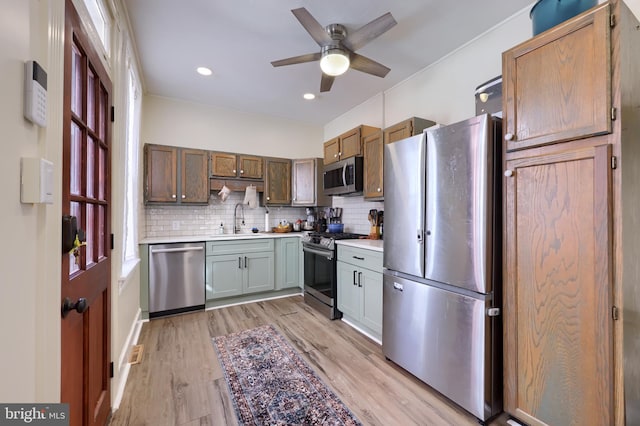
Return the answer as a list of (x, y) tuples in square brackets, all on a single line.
[(130, 234), (101, 21)]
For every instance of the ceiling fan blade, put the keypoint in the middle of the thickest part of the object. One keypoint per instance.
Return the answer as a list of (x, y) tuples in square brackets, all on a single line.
[(326, 82), (309, 57), (313, 27), (368, 32), (369, 66)]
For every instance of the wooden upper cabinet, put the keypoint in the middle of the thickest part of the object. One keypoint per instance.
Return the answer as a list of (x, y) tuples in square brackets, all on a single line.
[(348, 144), (194, 166), (160, 165), (332, 151), (306, 183), (557, 86), (558, 288), (405, 129), (175, 175), (373, 165), (277, 183), (224, 164), (250, 166)]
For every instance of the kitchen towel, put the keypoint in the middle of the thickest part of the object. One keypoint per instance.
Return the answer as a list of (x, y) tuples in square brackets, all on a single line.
[(224, 193), (251, 196)]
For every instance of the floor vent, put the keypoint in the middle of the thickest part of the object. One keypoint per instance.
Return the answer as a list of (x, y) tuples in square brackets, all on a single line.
[(136, 354)]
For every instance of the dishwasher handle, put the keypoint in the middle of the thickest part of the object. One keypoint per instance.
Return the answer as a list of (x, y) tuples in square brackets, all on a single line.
[(176, 250)]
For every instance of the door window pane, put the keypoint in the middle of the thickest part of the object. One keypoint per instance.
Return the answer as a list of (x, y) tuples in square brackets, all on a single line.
[(101, 230), (102, 172), (91, 160), (76, 81), (75, 163), (77, 212), (91, 99), (90, 235)]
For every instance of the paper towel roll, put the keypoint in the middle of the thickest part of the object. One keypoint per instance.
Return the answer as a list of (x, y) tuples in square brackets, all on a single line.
[(266, 222)]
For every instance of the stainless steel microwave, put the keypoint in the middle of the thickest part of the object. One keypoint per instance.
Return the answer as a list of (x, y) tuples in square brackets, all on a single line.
[(343, 177)]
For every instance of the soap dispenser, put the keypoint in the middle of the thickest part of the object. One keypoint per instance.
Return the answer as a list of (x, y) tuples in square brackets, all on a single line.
[(221, 228)]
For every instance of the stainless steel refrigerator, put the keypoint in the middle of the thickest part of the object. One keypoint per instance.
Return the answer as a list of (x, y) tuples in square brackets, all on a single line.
[(442, 276)]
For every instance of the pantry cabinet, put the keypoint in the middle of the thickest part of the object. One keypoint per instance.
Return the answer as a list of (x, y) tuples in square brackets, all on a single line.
[(306, 183), (359, 274), (570, 245), (175, 175), (277, 183), (348, 144)]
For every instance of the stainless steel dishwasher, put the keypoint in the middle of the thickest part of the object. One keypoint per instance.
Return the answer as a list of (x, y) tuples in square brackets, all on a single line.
[(176, 278)]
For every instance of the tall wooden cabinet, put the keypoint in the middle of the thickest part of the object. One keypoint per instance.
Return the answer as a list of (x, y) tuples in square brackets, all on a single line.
[(277, 181), (571, 142)]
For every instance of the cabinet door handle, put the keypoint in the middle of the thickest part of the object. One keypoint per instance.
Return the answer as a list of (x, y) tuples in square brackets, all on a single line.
[(509, 136), (234, 170), (379, 190), (354, 277), (239, 262), (173, 195), (245, 261), (184, 196), (357, 257), (241, 171), (359, 279), (508, 173)]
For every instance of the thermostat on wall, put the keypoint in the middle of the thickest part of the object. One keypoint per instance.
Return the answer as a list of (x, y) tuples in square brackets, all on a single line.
[(36, 181), (35, 93)]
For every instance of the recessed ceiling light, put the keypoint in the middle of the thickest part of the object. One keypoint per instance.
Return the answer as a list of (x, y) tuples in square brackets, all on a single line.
[(204, 71), (309, 96)]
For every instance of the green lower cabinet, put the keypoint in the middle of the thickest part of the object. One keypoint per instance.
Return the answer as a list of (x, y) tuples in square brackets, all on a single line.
[(288, 251), (236, 268), (360, 293)]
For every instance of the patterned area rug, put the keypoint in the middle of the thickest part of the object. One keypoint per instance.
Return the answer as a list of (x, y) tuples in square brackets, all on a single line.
[(271, 384)]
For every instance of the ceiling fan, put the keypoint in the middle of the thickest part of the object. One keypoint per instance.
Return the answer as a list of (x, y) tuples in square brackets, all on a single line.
[(337, 52)]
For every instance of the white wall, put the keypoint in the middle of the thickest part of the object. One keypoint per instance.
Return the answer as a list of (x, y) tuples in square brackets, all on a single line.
[(30, 253), (174, 122)]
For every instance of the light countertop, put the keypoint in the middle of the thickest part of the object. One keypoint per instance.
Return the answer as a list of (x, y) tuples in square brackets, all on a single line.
[(220, 237), (375, 245)]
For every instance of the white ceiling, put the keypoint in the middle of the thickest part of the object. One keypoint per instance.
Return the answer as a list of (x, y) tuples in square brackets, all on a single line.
[(238, 39)]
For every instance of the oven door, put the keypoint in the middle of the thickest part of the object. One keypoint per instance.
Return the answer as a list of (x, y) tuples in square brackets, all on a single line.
[(320, 274)]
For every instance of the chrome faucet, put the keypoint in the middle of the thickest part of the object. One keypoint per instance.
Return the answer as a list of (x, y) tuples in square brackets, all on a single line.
[(237, 228)]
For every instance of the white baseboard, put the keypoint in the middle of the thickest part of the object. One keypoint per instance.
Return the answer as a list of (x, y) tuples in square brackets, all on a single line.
[(123, 364), (366, 333)]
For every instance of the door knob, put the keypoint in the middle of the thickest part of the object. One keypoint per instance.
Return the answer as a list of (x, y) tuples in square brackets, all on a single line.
[(80, 306), (509, 136)]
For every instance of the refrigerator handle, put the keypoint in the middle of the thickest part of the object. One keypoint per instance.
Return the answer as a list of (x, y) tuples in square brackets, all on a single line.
[(420, 236)]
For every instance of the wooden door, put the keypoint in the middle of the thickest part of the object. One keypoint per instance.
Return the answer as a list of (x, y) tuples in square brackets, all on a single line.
[(278, 181), (250, 166), (558, 288), (160, 172), (332, 151), (373, 166), (194, 173), (86, 194), (303, 178), (557, 86), (223, 164), (350, 144)]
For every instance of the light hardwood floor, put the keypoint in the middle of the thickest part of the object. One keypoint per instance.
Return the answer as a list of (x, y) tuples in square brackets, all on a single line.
[(180, 382)]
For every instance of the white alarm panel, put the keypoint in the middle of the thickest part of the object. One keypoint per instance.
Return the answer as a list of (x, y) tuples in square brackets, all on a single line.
[(35, 93), (36, 180)]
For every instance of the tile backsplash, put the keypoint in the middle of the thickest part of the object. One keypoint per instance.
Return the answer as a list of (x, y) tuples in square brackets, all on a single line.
[(182, 221)]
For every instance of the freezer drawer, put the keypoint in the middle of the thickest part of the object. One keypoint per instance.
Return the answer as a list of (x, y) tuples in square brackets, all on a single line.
[(445, 339), (176, 278)]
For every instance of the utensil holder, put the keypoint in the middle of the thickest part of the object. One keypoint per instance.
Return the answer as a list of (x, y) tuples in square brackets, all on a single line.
[(374, 233)]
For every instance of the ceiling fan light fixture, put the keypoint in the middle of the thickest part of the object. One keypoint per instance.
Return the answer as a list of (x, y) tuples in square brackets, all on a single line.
[(204, 71), (334, 62)]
